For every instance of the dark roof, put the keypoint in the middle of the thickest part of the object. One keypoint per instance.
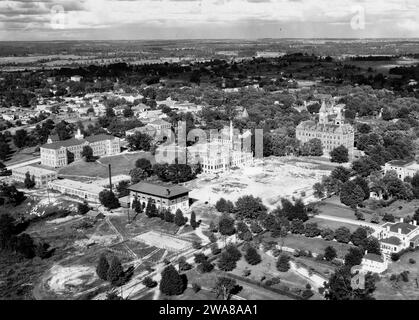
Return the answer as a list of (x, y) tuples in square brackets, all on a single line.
[(159, 190), (373, 257), (330, 127), (400, 163), (392, 240), (75, 142), (406, 228)]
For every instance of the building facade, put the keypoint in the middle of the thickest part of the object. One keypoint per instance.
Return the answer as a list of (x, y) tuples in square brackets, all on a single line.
[(84, 191), (402, 168), (397, 236), (61, 153), (41, 176), (374, 263), (171, 197), (332, 134)]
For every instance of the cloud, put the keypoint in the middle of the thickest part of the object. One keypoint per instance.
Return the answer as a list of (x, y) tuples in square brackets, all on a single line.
[(158, 16)]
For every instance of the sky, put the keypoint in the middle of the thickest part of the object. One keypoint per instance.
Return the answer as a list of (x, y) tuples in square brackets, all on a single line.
[(206, 19)]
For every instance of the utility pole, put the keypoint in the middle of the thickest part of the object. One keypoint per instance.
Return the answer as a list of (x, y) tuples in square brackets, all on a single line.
[(110, 177)]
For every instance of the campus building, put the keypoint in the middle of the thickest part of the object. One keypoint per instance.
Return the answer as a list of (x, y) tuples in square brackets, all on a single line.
[(40, 175), (374, 263), (60, 153), (85, 191), (332, 134), (170, 197), (397, 236), (222, 152), (402, 168)]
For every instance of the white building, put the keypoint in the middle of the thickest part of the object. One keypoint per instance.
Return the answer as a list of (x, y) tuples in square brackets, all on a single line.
[(76, 78), (397, 236), (332, 134), (59, 154), (374, 263), (403, 168), (85, 191), (170, 197), (40, 175)]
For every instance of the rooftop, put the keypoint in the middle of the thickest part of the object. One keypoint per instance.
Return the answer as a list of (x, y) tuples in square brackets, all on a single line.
[(392, 240), (402, 163), (406, 228), (33, 170), (159, 190), (72, 184), (374, 257), (74, 142)]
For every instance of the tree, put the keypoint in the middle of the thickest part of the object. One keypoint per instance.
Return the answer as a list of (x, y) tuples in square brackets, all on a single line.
[(312, 147), (330, 253), (102, 267), (249, 207), (145, 165), (20, 139), (83, 208), (127, 112), (354, 257), (122, 188), (365, 166), (29, 182), (149, 282), (87, 154), (339, 286), (226, 262), (283, 263), (115, 272), (359, 236), (171, 282), (139, 141), (224, 287), (297, 226), (255, 227), (108, 199), (364, 186), (25, 245), (341, 173), (372, 245), (339, 154), (342, 235), (224, 206), (137, 175), (226, 226), (319, 190), (193, 220), (327, 234), (312, 230), (252, 256), (179, 218), (351, 194)]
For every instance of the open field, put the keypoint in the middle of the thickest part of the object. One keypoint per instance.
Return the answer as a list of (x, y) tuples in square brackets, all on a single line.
[(121, 164), (392, 290), (323, 224), (315, 245), (270, 179)]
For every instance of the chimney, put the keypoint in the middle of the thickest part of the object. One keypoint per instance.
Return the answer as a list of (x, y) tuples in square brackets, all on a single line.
[(401, 220), (168, 191), (399, 230), (415, 223), (388, 228)]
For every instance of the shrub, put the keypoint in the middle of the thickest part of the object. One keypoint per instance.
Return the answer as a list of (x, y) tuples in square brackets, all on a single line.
[(149, 282), (395, 256), (412, 261), (171, 282), (307, 294), (205, 267), (246, 272), (196, 287), (196, 245), (283, 263), (252, 256)]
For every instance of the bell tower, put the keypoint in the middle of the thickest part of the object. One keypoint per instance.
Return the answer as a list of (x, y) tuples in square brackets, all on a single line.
[(323, 114)]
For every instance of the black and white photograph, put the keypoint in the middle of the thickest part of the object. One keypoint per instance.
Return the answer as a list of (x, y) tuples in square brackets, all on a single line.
[(209, 155)]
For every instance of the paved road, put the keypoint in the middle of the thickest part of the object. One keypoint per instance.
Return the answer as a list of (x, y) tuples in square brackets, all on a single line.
[(350, 221)]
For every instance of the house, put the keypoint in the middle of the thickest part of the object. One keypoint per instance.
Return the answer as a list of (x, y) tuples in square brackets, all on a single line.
[(374, 263), (86, 191), (397, 236), (40, 175), (170, 197), (403, 168), (8, 116), (61, 153), (76, 78)]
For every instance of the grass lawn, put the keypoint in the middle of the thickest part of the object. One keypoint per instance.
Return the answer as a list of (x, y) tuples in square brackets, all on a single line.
[(121, 164), (333, 207), (391, 290), (323, 224), (315, 245), (400, 208)]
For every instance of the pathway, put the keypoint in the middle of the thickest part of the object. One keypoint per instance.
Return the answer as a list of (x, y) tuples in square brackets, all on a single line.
[(349, 221)]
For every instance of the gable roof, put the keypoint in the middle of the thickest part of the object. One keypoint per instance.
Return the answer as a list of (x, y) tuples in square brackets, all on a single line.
[(74, 142), (392, 240), (406, 228), (159, 190), (373, 257)]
